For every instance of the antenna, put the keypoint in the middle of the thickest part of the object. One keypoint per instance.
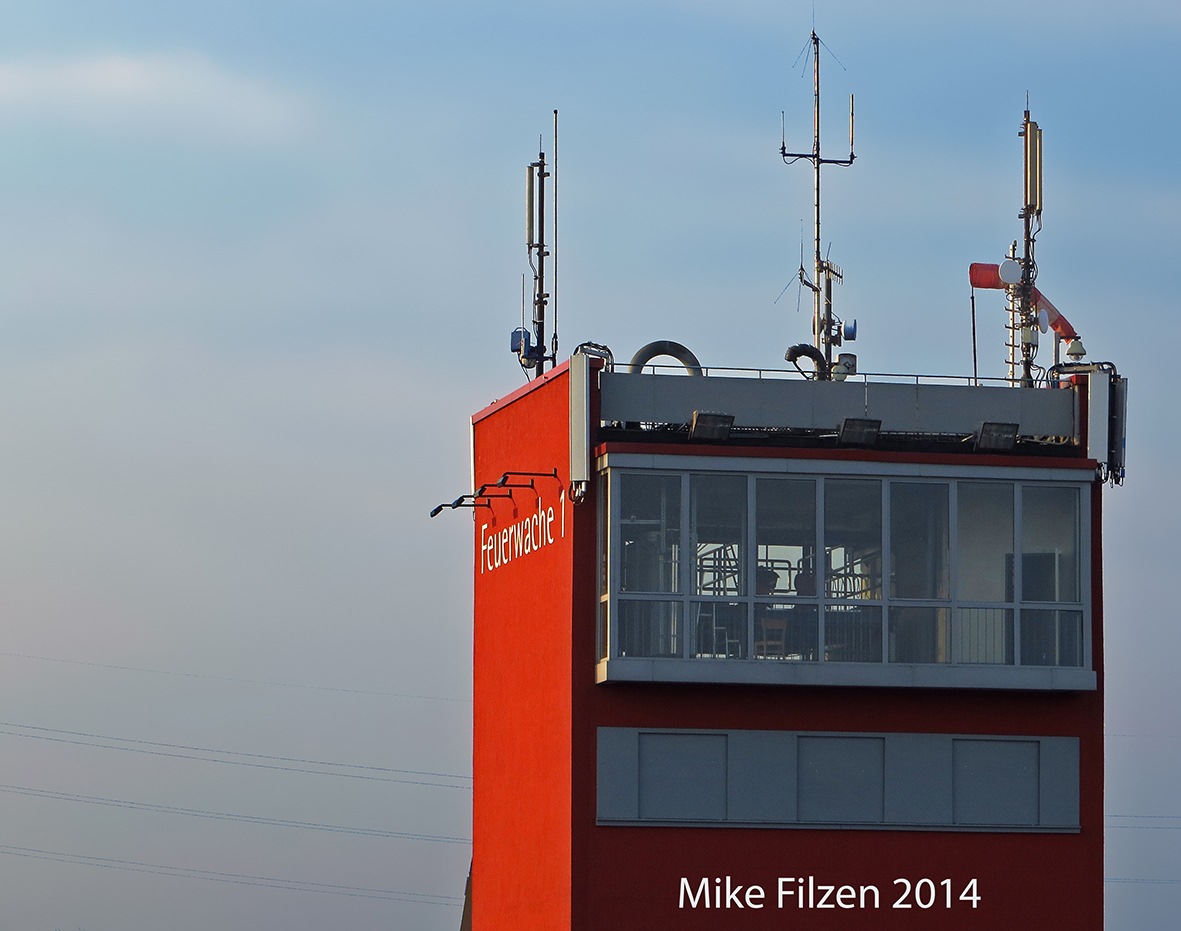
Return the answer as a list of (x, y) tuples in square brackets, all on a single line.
[(554, 338), (1024, 307), (529, 343), (826, 328), (1030, 311)]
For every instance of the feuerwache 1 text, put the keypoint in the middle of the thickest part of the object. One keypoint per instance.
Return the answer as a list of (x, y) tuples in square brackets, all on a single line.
[(810, 892)]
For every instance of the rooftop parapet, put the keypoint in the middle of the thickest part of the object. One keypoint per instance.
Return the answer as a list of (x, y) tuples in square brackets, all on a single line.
[(913, 407)]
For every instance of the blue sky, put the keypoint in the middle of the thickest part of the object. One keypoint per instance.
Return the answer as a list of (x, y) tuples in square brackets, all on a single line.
[(260, 262)]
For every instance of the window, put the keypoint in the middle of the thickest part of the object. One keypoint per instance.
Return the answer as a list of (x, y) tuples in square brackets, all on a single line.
[(842, 570)]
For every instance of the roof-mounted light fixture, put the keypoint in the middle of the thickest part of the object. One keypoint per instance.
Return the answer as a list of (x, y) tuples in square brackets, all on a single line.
[(708, 425), (996, 437), (858, 431)]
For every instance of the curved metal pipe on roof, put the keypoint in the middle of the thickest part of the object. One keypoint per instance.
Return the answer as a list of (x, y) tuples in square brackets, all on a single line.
[(664, 347), (804, 349)]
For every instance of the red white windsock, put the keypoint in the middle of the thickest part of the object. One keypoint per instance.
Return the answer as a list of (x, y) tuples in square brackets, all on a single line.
[(983, 275)]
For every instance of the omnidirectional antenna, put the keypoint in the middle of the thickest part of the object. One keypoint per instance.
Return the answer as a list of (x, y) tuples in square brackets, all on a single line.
[(529, 343), (1031, 215), (826, 329)]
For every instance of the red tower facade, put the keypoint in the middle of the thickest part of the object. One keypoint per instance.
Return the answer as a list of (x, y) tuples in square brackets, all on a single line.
[(757, 652)]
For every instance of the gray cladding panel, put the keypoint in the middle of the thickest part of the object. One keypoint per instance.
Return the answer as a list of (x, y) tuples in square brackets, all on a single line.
[(762, 776), (902, 408), (618, 785), (580, 425), (841, 779), (790, 778), (682, 777), (996, 781), (916, 793), (1058, 791)]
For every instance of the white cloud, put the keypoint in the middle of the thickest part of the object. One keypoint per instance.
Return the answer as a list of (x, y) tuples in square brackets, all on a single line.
[(182, 93)]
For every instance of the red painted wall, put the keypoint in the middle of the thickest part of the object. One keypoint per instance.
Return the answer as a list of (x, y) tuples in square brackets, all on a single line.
[(522, 720)]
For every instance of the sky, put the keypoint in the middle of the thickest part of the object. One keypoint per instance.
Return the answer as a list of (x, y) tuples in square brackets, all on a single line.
[(259, 262)]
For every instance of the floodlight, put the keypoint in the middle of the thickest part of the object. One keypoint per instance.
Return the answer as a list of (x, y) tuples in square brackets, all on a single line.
[(709, 425), (858, 431), (996, 437)]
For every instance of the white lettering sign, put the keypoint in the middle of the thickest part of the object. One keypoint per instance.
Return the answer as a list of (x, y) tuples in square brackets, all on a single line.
[(526, 536)]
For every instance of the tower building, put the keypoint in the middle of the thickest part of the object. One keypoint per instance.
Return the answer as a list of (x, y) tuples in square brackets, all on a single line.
[(782, 649)]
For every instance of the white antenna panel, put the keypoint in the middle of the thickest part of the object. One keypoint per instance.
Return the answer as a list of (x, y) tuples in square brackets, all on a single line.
[(529, 206)]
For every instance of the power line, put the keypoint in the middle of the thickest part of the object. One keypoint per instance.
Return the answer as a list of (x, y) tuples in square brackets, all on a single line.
[(1144, 827), (73, 735), (260, 756), (196, 675), (239, 879), (1160, 817), (1158, 882), (227, 816)]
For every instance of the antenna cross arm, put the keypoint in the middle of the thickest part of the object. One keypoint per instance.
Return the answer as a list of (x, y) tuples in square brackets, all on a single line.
[(790, 157)]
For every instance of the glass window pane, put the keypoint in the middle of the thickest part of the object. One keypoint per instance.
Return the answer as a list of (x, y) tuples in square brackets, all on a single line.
[(603, 490), (649, 628), (853, 634), (601, 631), (1051, 638), (919, 635), (718, 519), (1049, 543), (984, 527), (983, 635), (853, 538), (719, 629), (785, 536), (650, 532), (785, 632), (919, 542)]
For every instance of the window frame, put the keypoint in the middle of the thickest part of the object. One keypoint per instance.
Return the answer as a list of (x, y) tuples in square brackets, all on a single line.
[(742, 665)]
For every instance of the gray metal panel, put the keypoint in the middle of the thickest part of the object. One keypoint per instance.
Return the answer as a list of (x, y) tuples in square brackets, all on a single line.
[(885, 675), (580, 377), (996, 781), (618, 777), (891, 781), (1069, 471), (1059, 782), (841, 779), (918, 779), (762, 776), (683, 777), (905, 408), (1098, 415), (1119, 427)]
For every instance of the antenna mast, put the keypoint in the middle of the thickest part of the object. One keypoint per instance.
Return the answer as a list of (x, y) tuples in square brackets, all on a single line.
[(529, 344), (826, 329), (1024, 308), (535, 191)]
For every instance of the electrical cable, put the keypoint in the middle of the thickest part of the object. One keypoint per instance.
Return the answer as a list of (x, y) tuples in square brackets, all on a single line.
[(132, 805), (196, 675), (239, 879), (184, 756), (1163, 882)]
